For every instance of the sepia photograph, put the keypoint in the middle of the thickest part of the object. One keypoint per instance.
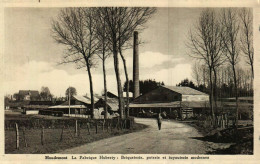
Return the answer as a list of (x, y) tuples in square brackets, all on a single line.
[(128, 80)]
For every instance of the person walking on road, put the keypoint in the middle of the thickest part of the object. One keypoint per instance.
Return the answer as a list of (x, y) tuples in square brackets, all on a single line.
[(159, 121)]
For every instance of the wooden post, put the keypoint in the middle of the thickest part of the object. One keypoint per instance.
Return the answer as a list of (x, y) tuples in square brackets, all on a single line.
[(117, 124), (61, 135), (96, 127), (17, 136), (76, 128), (227, 120), (25, 142), (79, 129), (124, 124), (223, 121), (111, 125), (107, 125), (103, 125), (88, 128), (42, 136)]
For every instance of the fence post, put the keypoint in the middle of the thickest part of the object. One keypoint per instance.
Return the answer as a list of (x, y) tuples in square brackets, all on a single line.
[(76, 127), (111, 125), (61, 135), (17, 136), (117, 124), (42, 136), (79, 129), (88, 128), (226, 120), (96, 127), (103, 124), (25, 142), (107, 125), (223, 121)]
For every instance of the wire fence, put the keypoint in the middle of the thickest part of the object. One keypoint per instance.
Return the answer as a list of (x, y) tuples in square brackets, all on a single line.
[(30, 133)]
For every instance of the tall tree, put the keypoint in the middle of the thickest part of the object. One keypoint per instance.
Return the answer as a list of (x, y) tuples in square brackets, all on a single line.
[(230, 38), (103, 53), (197, 73), (246, 39), (205, 44), (121, 23), (45, 93), (71, 91), (75, 29)]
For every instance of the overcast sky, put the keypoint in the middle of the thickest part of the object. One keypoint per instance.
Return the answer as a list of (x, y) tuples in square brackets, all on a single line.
[(31, 55)]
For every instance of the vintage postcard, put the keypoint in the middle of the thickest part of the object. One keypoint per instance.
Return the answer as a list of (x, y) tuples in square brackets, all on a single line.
[(98, 81)]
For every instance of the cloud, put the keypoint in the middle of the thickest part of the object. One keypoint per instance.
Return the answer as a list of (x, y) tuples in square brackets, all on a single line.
[(148, 60), (33, 75), (171, 76)]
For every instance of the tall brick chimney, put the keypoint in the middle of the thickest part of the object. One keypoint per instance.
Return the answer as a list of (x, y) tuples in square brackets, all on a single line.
[(136, 66)]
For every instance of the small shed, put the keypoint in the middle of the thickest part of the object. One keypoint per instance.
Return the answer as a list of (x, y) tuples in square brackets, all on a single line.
[(112, 104)]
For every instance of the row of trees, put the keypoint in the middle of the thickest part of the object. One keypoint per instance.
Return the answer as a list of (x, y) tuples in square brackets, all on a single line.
[(224, 89), (145, 85), (225, 81), (218, 40), (89, 33)]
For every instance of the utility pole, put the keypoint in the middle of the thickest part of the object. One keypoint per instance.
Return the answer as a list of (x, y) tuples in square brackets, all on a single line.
[(69, 100)]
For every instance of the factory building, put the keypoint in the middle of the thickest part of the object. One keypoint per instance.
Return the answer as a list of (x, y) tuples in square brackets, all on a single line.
[(174, 101)]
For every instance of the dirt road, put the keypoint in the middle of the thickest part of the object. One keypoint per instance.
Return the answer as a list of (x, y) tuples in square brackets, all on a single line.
[(173, 138)]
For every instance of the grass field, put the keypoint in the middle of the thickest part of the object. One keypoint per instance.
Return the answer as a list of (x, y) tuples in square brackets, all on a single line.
[(52, 141)]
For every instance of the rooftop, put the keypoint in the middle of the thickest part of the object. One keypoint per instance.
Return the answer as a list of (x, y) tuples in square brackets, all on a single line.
[(184, 90), (27, 92)]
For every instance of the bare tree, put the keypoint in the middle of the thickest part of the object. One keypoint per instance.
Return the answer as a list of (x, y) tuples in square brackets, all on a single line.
[(230, 39), (205, 44), (75, 29), (197, 73), (103, 53), (121, 23), (246, 39)]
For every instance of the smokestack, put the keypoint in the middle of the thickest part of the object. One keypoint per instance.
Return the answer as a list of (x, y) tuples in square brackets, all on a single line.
[(136, 66)]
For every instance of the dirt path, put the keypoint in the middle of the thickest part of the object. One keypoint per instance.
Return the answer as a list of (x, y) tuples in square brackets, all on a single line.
[(173, 138)]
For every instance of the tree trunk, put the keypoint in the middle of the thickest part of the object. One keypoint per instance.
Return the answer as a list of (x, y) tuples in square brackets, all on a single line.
[(91, 90), (215, 88), (252, 70), (204, 80), (236, 95), (211, 94), (119, 86), (105, 85), (127, 83)]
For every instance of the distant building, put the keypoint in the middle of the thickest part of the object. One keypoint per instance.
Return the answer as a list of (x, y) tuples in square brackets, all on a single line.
[(110, 95), (28, 95), (78, 105), (112, 105), (171, 100)]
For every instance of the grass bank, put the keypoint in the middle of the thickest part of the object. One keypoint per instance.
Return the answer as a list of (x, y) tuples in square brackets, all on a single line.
[(240, 139), (54, 139)]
